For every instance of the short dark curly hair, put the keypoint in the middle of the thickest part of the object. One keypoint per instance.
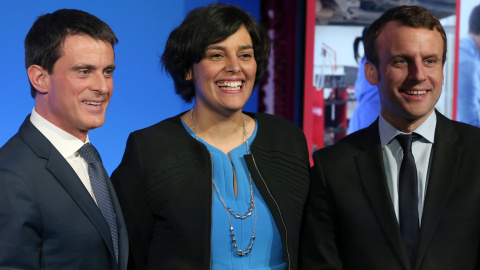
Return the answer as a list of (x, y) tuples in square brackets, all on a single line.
[(202, 27), (44, 41), (410, 16)]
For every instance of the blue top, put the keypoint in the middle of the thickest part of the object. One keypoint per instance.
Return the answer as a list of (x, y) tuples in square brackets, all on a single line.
[(468, 105), (267, 252), (368, 106)]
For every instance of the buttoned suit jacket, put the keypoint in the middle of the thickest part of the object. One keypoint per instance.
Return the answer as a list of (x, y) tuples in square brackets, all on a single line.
[(48, 220), (350, 222)]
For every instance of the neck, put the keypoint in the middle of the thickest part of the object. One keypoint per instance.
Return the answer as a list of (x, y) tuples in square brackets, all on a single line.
[(80, 134), (405, 125), (222, 132)]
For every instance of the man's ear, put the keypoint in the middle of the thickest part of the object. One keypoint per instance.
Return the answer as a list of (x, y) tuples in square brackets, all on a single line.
[(189, 75), (371, 73), (39, 78)]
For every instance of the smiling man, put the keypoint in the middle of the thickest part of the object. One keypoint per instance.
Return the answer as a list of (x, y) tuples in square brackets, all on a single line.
[(403, 192), (58, 209)]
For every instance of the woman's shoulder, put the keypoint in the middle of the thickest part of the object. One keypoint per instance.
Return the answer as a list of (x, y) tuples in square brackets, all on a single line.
[(170, 126), (271, 123), (166, 134), (279, 135)]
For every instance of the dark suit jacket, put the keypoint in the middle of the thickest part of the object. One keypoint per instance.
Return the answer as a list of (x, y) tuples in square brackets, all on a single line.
[(350, 222), (48, 220)]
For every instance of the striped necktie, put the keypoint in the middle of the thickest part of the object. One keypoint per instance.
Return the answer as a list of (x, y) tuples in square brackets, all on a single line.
[(98, 177)]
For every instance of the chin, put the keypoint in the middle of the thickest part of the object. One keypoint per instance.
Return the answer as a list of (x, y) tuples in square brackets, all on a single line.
[(95, 124), (235, 106)]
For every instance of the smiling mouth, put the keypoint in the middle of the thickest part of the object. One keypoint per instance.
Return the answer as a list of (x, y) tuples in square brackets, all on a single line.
[(92, 103), (234, 85), (415, 93)]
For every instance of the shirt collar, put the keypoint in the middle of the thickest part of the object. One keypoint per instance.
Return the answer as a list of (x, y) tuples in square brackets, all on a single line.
[(426, 129), (64, 142)]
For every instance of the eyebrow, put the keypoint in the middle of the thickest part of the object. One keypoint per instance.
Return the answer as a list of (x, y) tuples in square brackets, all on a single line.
[(401, 55), (218, 47), (83, 66), (88, 66), (112, 67)]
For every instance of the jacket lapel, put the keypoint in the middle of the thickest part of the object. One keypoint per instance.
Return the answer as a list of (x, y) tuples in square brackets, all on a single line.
[(371, 170), (67, 177), (446, 151)]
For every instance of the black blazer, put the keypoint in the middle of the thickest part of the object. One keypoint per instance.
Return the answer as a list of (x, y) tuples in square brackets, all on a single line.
[(48, 220), (164, 185), (350, 222)]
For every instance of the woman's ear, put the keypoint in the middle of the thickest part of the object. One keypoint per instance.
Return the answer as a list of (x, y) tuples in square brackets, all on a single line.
[(189, 75), (39, 78), (371, 73)]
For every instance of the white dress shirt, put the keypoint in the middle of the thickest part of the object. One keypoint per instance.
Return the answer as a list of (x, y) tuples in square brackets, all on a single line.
[(393, 155), (67, 145)]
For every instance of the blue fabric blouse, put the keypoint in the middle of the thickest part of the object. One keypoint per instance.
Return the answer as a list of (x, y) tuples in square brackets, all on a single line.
[(267, 252)]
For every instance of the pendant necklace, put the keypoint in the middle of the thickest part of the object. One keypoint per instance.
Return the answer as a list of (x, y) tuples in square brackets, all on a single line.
[(228, 210)]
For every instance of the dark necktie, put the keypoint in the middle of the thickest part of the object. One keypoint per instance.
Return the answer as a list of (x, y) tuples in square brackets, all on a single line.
[(408, 196), (98, 177)]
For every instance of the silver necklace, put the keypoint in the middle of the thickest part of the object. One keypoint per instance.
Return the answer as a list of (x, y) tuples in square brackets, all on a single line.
[(227, 209)]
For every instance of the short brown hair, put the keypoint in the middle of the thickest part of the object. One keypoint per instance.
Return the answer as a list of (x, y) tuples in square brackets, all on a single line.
[(410, 16), (44, 41)]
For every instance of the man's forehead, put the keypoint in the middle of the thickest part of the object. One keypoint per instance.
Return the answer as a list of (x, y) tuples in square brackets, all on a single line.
[(84, 50), (72, 39), (391, 32)]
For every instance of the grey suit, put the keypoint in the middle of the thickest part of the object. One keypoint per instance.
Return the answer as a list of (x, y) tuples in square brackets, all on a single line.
[(48, 220), (350, 222)]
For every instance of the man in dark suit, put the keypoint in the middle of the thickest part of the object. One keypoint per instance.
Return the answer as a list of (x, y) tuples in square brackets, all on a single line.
[(58, 209), (379, 201)]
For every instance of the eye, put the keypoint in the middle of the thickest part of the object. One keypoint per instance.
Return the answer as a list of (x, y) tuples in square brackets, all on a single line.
[(83, 72), (216, 56), (246, 56), (431, 62), (401, 62), (108, 72)]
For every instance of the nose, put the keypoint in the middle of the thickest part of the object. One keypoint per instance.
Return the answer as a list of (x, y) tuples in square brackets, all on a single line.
[(416, 71), (232, 65), (101, 84)]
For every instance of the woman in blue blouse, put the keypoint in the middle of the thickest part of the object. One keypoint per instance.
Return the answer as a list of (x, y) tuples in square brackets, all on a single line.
[(215, 187)]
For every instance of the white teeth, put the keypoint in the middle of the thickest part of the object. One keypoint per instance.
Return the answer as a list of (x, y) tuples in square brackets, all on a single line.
[(416, 92), (236, 85), (92, 103)]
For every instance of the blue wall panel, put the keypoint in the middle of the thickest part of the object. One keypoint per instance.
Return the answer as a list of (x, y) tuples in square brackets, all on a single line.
[(143, 94)]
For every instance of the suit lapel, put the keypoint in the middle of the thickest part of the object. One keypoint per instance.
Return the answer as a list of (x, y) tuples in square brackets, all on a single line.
[(67, 177), (446, 151), (371, 170)]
